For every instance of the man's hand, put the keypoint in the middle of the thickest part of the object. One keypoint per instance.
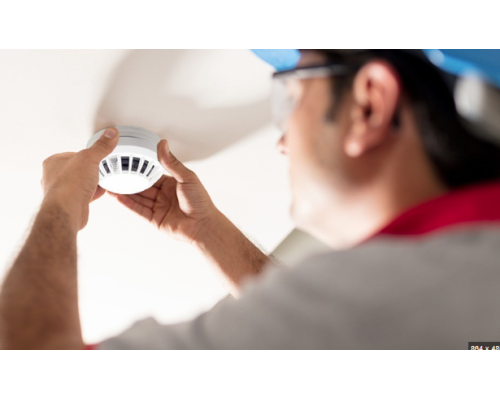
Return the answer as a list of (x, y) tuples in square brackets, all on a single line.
[(70, 180), (177, 204), (180, 205)]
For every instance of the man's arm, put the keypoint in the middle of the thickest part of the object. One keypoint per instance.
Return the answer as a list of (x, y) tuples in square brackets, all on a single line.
[(234, 256), (39, 297), (39, 300)]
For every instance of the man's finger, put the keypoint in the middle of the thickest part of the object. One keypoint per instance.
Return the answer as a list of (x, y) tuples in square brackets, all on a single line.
[(177, 169), (150, 193), (105, 144), (98, 193), (135, 206)]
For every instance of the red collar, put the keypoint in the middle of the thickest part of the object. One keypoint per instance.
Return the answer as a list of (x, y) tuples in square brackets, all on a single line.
[(472, 204)]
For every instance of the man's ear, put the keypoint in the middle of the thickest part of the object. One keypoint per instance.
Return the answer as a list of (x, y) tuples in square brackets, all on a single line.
[(376, 92)]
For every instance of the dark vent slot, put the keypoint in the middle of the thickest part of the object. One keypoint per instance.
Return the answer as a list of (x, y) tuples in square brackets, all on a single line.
[(125, 163), (135, 164), (144, 166), (105, 165), (114, 163), (151, 170), (100, 172)]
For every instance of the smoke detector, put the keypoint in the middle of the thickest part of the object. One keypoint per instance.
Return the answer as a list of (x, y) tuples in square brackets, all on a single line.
[(133, 166)]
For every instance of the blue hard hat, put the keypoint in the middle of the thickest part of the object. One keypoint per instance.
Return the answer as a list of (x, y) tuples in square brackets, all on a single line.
[(280, 59), (461, 62)]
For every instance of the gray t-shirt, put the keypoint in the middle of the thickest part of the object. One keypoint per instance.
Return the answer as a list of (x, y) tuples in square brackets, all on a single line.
[(439, 291)]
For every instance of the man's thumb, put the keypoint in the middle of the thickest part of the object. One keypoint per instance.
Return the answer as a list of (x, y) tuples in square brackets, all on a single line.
[(177, 169), (105, 144)]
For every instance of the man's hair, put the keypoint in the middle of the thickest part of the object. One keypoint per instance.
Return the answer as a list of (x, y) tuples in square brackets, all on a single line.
[(458, 156)]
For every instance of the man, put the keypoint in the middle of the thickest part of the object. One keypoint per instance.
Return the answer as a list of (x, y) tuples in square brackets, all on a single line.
[(382, 170)]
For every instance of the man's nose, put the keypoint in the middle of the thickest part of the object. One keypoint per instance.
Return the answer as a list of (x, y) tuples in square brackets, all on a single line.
[(281, 145)]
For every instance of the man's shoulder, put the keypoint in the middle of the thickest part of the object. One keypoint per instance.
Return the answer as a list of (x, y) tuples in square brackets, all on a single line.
[(388, 268), (436, 291)]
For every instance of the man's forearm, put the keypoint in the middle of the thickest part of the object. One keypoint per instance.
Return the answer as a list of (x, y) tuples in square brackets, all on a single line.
[(235, 257), (38, 299)]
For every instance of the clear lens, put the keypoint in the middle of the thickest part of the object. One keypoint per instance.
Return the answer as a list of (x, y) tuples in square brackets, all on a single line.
[(287, 90)]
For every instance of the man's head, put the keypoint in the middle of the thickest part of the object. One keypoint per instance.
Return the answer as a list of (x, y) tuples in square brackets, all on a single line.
[(372, 139)]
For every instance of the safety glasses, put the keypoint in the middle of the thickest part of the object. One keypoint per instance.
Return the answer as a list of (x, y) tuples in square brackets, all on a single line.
[(286, 88)]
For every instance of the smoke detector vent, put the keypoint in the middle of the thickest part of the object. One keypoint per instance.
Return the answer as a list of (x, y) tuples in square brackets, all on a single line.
[(133, 166)]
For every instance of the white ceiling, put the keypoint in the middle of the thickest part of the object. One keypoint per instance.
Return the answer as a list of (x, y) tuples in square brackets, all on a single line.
[(212, 106)]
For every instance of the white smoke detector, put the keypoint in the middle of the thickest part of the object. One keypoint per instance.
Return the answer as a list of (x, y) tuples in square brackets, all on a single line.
[(133, 166)]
